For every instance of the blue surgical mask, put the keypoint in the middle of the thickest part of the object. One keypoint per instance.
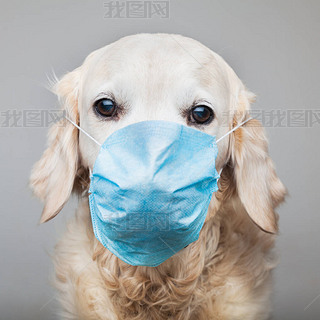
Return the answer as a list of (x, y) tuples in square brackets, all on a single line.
[(150, 189)]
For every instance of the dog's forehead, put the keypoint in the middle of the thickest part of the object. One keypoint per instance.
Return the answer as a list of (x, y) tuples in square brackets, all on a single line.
[(152, 65)]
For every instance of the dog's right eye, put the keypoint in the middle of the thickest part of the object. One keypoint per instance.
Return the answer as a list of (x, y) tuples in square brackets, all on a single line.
[(105, 107)]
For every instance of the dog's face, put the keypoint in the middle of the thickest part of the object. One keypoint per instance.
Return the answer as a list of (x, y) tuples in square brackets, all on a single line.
[(156, 77), (149, 77)]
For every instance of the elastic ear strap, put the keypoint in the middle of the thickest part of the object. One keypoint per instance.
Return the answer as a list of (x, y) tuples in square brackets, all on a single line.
[(86, 133), (99, 144), (234, 129)]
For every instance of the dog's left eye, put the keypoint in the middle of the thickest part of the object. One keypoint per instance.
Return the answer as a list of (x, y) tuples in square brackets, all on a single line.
[(105, 107), (201, 114)]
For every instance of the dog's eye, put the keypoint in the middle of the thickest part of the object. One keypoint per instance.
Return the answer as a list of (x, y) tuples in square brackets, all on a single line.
[(105, 107), (201, 114)]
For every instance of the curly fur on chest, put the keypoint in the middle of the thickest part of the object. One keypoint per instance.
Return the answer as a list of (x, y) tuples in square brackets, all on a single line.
[(175, 290)]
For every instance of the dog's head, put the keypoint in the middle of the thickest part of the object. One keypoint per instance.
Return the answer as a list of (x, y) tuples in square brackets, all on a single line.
[(157, 77)]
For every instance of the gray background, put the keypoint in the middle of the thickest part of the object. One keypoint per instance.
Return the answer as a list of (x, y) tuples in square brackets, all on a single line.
[(274, 48)]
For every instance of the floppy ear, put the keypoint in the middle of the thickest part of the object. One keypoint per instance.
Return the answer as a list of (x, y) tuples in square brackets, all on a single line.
[(258, 186), (52, 178)]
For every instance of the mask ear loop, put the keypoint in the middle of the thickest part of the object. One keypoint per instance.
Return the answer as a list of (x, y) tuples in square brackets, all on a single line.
[(86, 133), (234, 129), (99, 144)]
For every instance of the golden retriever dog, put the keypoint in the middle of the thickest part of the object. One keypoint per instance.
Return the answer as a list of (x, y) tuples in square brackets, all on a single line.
[(226, 273)]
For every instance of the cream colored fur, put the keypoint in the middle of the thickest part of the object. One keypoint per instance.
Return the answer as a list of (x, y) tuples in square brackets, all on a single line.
[(226, 274)]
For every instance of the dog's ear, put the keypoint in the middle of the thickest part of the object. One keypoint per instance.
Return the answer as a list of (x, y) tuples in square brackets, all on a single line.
[(53, 176), (258, 186)]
